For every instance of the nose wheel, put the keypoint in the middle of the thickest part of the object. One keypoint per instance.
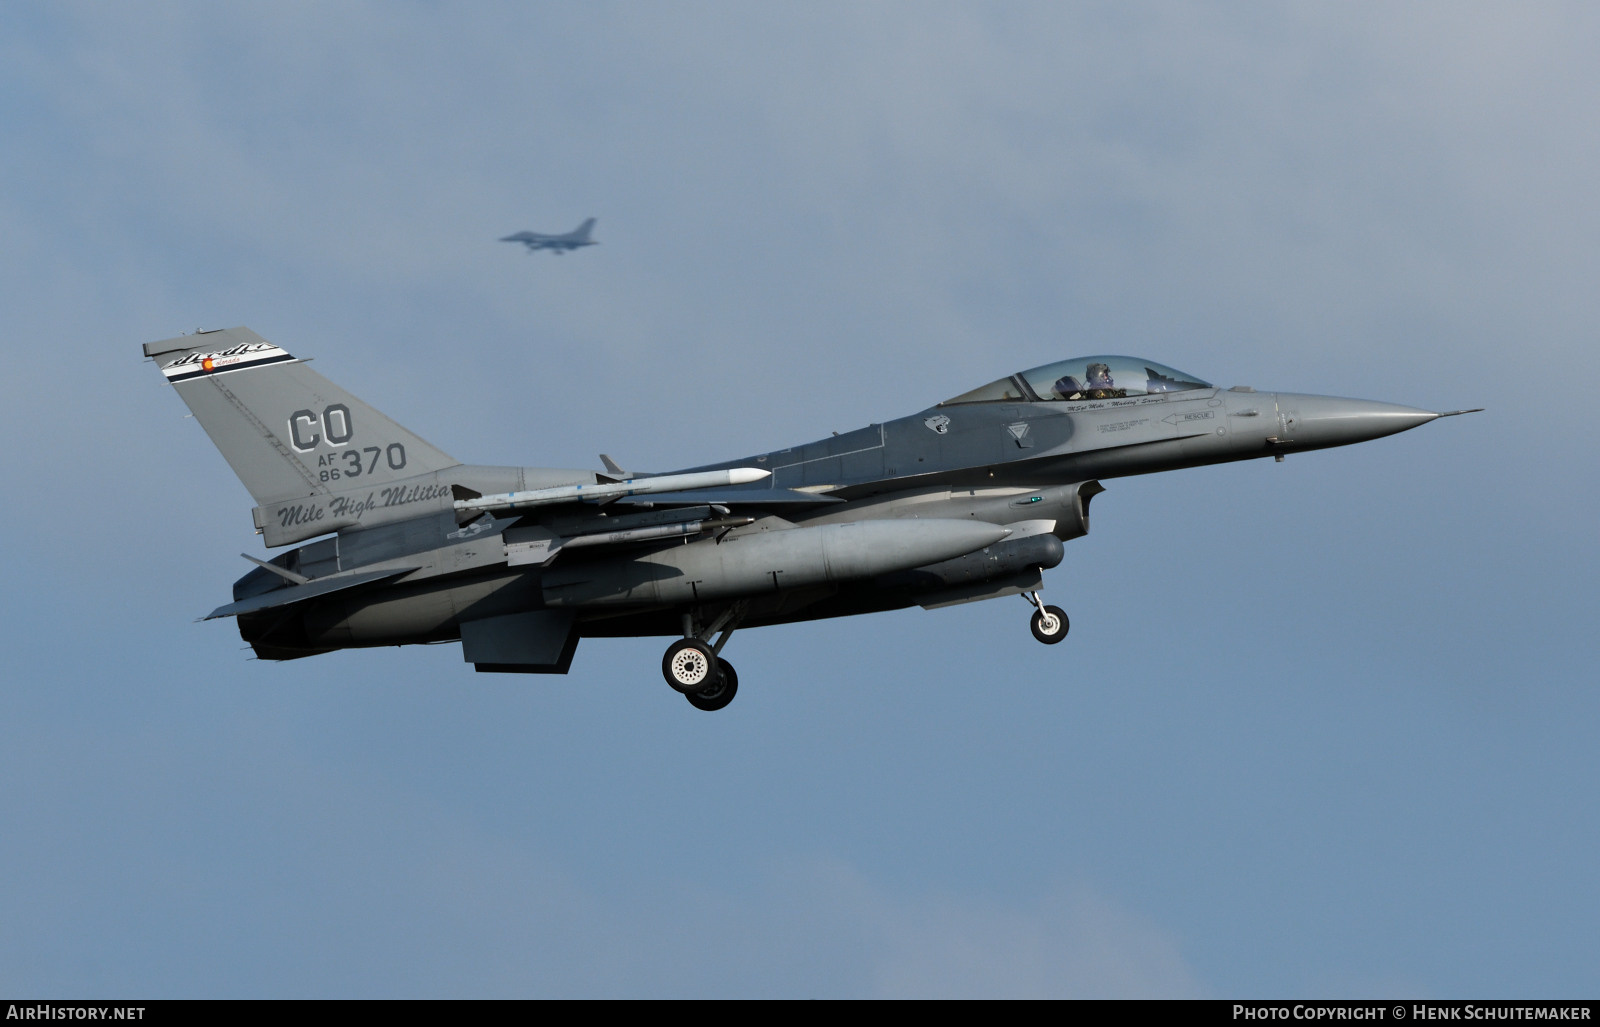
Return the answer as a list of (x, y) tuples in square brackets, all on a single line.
[(1049, 623)]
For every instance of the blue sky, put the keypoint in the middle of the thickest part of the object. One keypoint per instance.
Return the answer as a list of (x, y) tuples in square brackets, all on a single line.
[(1323, 727)]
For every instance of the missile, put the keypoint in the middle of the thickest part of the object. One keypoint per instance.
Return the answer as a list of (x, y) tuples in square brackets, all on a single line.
[(762, 562), (612, 538), (545, 550), (613, 489)]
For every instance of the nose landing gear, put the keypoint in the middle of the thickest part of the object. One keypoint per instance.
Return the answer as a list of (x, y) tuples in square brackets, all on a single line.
[(1049, 623), (691, 664)]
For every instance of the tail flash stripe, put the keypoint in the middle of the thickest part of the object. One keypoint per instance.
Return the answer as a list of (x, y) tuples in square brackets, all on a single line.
[(199, 365)]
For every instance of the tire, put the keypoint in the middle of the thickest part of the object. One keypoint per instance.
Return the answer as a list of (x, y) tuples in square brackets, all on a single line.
[(1050, 624), (718, 695), (689, 665)]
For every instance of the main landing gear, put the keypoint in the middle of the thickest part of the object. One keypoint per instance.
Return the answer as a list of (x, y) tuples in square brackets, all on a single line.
[(1049, 624), (692, 666)]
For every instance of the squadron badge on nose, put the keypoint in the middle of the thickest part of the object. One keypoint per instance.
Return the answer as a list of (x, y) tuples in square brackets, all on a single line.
[(938, 423)]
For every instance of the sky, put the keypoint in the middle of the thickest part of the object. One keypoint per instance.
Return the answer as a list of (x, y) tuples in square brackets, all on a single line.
[(1322, 728)]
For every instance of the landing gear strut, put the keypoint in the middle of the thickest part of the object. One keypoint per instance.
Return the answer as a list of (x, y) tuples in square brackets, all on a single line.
[(1049, 624), (693, 667)]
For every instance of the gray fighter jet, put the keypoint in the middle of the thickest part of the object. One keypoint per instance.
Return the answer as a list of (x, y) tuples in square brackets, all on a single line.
[(970, 499), (559, 243)]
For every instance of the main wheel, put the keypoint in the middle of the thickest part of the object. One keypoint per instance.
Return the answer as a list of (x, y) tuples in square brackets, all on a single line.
[(689, 665), (715, 697), (1050, 624)]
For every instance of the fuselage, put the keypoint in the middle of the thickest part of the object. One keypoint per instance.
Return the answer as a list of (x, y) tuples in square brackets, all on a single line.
[(1044, 443), (1028, 467), (394, 541)]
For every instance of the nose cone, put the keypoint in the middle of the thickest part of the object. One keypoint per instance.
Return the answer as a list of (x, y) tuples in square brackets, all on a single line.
[(1317, 421)]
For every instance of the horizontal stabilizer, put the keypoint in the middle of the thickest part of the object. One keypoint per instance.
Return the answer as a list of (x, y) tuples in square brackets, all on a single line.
[(299, 593)]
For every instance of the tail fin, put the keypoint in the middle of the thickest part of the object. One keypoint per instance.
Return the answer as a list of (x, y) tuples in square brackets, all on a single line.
[(581, 233), (286, 431)]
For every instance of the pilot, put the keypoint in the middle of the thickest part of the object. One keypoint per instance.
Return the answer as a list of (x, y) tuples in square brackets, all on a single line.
[(1100, 385)]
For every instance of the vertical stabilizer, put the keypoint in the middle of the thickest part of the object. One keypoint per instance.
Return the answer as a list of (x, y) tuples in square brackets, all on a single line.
[(286, 431)]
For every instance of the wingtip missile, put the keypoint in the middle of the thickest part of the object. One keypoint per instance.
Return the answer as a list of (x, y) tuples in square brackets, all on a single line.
[(615, 490)]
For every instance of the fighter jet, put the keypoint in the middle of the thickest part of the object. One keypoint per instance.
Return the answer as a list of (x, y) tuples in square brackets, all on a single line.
[(559, 243), (970, 499)]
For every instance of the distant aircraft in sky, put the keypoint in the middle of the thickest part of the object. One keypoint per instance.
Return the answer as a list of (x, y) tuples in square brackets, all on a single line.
[(968, 500), (559, 243)]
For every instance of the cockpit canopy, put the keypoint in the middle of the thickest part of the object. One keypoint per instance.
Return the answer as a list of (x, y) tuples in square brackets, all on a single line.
[(1084, 378)]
